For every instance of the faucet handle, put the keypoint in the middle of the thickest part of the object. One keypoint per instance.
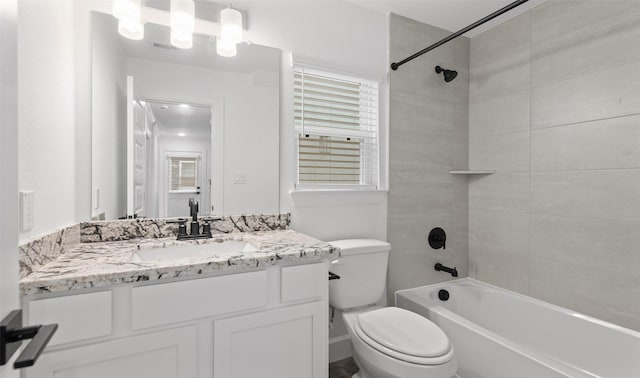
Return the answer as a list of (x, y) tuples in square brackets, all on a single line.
[(182, 227)]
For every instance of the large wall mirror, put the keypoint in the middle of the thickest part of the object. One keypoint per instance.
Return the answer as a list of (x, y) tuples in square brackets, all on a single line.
[(171, 124)]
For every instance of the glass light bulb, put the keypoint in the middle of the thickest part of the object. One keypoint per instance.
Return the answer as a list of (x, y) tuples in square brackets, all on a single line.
[(181, 40), (231, 25), (225, 48), (129, 15), (131, 28), (182, 23)]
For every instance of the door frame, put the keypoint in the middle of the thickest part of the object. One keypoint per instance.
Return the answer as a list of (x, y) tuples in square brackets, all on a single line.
[(9, 232), (216, 152)]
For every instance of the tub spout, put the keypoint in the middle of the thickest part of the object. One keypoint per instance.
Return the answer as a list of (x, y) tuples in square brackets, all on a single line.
[(453, 271)]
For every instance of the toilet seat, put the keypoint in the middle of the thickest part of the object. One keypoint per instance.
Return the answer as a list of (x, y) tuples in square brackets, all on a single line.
[(404, 335)]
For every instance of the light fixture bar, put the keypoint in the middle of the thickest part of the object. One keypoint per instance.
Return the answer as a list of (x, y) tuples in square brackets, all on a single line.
[(131, 13)]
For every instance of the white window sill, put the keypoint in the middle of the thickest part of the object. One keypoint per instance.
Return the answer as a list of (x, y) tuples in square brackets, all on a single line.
[(337, 190), (327, 198)]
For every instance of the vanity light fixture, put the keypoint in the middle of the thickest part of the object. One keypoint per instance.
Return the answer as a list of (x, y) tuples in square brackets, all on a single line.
[(129, 15), (182, 23)]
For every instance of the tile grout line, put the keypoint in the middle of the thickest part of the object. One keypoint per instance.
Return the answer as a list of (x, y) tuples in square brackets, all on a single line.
[(529, 185)]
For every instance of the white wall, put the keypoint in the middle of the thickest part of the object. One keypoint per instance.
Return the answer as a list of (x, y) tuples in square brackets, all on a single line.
[(339, 36), (46, 105), (108, 141)]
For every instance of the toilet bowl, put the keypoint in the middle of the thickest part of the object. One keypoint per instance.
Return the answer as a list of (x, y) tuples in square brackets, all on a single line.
[(391, 342), (388, 342)]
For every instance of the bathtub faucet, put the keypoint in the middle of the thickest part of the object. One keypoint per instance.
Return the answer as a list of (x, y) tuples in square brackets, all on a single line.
[(453, 271)]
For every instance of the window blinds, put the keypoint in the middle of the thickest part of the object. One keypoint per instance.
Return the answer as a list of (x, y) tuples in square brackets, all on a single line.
[(182, 174), (336, 120)]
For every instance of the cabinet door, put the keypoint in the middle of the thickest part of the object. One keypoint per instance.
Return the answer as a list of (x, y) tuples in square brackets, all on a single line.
[(166, 354), (290, 342)]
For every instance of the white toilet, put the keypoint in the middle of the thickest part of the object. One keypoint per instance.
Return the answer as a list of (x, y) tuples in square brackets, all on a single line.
[(388, 342)]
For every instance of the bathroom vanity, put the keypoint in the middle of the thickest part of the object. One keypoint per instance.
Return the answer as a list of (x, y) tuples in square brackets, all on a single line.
[(255, 313)]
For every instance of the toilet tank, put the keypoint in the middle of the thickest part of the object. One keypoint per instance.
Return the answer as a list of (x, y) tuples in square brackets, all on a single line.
[(362, 268)]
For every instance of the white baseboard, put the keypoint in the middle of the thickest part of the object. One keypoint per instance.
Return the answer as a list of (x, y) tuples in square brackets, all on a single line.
[(339, 348)]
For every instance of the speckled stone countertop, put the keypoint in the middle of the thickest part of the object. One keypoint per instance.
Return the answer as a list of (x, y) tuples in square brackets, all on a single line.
[(87, 265)]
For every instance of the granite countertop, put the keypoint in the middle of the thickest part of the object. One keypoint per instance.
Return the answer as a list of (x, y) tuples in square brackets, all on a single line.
[(88, 265)]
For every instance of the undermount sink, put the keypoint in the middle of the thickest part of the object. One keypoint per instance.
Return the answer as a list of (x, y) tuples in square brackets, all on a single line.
[(192, 251)]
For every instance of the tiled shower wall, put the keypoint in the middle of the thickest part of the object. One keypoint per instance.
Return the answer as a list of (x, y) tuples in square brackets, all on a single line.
[(555, 110), (428, 131)]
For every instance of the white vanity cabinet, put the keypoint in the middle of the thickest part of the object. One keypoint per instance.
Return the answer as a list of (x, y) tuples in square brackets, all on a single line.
[(164, 354), (283, 342), (265, 323)]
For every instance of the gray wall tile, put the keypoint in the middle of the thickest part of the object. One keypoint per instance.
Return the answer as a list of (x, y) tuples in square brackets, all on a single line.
[(604, 144), (592, 291), (605, 43), (556, 18), (607, 244), (607, 194), (499, 231), (507, 270), (601, 94), (411, 193), (410, 36), (504, 82), (566, 229), (506, 191), (504, 152), (428, 136), (499, 115), (494, 50)]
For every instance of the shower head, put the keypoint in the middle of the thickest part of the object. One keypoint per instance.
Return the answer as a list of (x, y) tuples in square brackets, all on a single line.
[(449, 75)]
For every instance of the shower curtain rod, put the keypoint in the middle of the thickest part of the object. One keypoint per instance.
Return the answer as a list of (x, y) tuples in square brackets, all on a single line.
[(394, 66)]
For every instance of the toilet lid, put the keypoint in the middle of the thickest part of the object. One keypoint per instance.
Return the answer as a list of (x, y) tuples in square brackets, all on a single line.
[(404, 332)]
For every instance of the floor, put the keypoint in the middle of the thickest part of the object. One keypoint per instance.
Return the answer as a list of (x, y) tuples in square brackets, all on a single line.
[(343, 368)]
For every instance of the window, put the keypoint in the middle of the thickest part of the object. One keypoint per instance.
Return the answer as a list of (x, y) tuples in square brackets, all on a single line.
[(183, 174), (336, 121)]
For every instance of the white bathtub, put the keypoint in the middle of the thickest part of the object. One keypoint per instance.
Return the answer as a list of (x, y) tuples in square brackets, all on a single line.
[(498, 333)]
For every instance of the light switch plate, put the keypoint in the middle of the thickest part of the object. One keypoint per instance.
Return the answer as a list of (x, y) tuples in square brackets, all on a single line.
[(27, 199), (240, 179)]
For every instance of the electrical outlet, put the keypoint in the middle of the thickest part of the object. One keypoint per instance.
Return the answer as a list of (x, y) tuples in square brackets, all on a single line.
[(27, 199)]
